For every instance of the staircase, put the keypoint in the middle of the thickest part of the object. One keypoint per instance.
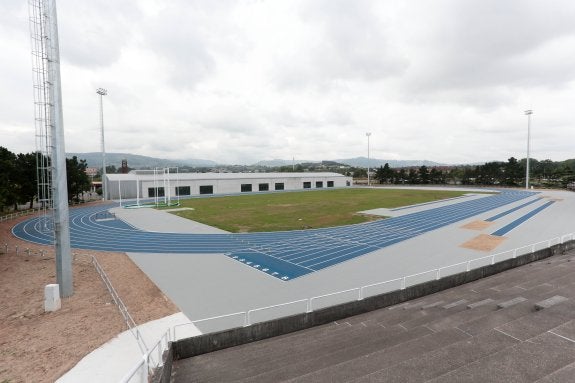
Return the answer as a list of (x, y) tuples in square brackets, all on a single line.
[(516, 326)]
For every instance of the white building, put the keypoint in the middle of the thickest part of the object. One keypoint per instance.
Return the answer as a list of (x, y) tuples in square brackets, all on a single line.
[(146, 184)]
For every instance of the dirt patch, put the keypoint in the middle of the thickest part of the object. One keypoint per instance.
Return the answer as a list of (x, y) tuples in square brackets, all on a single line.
[(483, 242), (477, 225), (40, 347)]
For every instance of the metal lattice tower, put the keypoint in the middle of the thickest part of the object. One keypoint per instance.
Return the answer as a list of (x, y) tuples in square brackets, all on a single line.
[(51, 155), (41, 112)]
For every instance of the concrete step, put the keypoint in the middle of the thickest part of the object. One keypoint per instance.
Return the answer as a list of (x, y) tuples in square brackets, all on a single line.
[(532, 325), (357, 367), (525, 362), (285, 370), (520, 275), (548, 276), (245, 361), (562, 375), (438, 362), (496, 319), (253, 351), (536, 274)]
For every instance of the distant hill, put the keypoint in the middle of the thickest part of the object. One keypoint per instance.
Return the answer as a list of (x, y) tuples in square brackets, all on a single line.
[(136, 161), (374, 162), (277, 162)]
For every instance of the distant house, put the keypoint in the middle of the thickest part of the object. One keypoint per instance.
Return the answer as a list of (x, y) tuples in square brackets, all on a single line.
[(148, 184)]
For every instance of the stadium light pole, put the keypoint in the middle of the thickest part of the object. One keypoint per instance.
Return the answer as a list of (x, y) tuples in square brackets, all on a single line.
[(368, 180), (528, 113), (102, 92)]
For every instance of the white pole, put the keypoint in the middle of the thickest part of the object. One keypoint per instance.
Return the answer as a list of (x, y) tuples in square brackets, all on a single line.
[(120, 191), (137, 190), (103, 92), (368, 180), (155, 187), (528, 113)]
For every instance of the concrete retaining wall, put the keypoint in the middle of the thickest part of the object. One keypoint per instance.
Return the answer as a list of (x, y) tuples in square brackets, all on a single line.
[(190, 347)]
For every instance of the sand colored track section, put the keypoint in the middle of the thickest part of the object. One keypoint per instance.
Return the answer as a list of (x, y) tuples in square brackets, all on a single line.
[(483, 242), (477, 225)]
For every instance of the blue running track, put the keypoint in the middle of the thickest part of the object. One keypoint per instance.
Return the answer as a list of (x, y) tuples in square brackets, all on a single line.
[(284, 255)]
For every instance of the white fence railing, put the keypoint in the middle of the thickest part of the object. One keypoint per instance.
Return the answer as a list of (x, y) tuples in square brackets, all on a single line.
[(17, 214), (247, 318), (21, 213), (130, 323), (150, 361)]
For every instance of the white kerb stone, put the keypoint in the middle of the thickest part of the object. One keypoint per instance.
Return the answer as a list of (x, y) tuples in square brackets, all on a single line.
[(52, 300)]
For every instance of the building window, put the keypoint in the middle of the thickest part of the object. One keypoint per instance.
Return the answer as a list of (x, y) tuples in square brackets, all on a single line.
[(307, 185), (264, 187), (183, 190), (152, 192), (279, 186), (329, 184), (318, 184), (246, 188), (347, 183), (206, 189)]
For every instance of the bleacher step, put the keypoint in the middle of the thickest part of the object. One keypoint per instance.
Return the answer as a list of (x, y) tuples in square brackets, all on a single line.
[(511, 302), (545, 304), (525, 362), (355, 368), (438, 362), (292, 369)]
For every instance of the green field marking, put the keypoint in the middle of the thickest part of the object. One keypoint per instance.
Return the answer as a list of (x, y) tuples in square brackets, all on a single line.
[(301, 210)]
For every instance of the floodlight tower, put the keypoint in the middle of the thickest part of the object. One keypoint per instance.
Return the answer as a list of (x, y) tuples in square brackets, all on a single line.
[(103, 92), (528, 113), (368, 135), (49, 122)]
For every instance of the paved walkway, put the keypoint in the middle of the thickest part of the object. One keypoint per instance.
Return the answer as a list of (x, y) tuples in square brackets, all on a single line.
[(111, 361)]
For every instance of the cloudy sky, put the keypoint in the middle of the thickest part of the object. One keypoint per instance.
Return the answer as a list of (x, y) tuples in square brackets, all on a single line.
[(242, 81)]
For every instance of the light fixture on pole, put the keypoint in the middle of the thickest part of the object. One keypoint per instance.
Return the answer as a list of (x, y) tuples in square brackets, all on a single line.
[(102, 92), (368, 180), (528, 113)]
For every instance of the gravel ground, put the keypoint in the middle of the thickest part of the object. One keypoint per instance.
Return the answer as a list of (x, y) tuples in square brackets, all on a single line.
[(40, 347)]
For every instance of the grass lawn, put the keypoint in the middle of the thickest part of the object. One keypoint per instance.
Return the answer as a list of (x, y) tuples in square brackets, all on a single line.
[(298, 210)]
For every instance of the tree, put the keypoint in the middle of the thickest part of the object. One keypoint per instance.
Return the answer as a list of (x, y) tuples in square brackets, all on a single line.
[(77, 179), (8, 195), (513, 172), (424, 174), (26, 178)]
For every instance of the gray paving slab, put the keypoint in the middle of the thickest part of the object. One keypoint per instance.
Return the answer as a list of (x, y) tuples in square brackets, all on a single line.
[(162, 221)]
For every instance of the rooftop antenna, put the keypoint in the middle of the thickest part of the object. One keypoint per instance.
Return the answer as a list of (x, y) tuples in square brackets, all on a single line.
[(49, 124)]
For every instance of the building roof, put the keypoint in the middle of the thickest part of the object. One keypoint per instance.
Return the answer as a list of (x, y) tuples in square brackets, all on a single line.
[(132, 176)]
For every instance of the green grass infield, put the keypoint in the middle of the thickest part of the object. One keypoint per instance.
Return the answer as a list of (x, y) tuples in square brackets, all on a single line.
[(301, 210)]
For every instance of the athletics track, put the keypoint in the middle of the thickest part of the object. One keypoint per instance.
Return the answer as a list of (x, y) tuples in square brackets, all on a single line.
[(284, 255)]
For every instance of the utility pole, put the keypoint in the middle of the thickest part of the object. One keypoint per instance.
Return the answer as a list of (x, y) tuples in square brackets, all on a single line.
[(49, 119), (103, 92), (368, 179), (528, 113)]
